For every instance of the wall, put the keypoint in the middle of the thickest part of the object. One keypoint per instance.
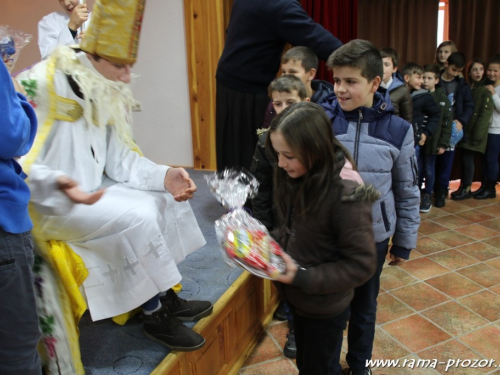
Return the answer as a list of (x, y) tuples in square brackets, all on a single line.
[(163, 127)]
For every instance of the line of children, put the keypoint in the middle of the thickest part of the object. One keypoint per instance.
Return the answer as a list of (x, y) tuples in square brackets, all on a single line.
[(394, 83), (476, 132), (302, 62), (439, 141), (426, 116), (325, 228), (490, 161), (461, 110), (382, 146)]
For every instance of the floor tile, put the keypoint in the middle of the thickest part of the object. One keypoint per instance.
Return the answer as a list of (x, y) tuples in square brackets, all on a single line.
[(408, 367), (384, 347), (452, 221), (476, 203), (480, 250), (477, 231), (278, 332), (414, 254), (452, 238), (416, 332), (493, 210), (495, 289), (424, 268), (420, 296), (494, 263), (389, 309), (265, 350), (454, 318), (433, 213), (475, 216), (452, 350), (453, 207), (482, 274), (454, 285), (494, 241), (277, 367), (395, 277), (453, 259), (428, 245), (486, 341), (493, 224), (485, 303), (428, 227)]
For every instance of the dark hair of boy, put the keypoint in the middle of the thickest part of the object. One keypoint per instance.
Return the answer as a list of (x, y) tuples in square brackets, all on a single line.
[(287, 83), (360, 54), (390, 52), (412, 68), (457, 59), (494, 60), (432, 68), (305, 55)]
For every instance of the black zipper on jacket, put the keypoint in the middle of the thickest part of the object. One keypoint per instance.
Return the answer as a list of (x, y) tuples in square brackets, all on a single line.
[(358, 135)]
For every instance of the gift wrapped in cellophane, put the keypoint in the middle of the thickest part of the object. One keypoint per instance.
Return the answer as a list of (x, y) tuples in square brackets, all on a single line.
[(11, 44), (244, 241)]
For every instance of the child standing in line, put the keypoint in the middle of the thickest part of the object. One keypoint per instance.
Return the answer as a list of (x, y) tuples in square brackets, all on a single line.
[(325, 226), (444, 50), (476, 133), (490, 161), (382, 146), (62, 27)]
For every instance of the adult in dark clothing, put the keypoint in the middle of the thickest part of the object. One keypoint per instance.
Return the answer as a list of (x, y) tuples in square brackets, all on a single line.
[(257, 33)]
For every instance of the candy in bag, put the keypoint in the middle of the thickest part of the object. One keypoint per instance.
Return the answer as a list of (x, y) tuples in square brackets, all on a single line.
[(11, 44), (244, 240)]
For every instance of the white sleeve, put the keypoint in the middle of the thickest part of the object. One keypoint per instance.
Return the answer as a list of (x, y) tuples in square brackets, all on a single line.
[(52, 31), (127, 166), (45, 195), (496, 101)]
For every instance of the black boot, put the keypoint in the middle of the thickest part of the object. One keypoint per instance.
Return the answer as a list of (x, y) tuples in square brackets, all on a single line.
[(290, 349), (168, 331), (481, 189), (462, 193), (186, 311), (488, 192), (440, 197)]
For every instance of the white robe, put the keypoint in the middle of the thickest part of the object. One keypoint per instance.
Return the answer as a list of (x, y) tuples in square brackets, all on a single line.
[(53, 31), (133, 237)]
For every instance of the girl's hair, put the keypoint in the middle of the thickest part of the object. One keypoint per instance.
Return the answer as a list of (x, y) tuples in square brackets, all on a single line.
[(308, 132), (444, 44), (471, 63)]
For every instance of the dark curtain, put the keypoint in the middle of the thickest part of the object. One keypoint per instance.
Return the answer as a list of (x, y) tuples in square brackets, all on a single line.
[(337, 16), (408, 26), (475, 27)]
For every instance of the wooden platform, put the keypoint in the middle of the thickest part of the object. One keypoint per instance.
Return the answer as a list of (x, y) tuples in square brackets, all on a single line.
[(239, 319)]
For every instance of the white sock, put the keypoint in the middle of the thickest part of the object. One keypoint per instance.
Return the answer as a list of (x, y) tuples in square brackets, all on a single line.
[(162, 294), (150, 312)]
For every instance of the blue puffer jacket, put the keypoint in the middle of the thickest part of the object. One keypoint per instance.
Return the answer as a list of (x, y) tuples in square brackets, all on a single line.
[(383, 149)]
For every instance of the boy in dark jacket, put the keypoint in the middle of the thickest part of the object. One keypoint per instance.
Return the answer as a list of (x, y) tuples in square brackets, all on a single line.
[(394, 83), (439, 141), (461, 110), (302, 62), (382, 146)]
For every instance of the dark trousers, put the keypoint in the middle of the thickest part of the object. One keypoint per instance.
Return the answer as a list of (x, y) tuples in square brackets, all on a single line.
[(467, 174), (490, 161), (238, 116), (19, 332), (319, 342), (361, 332), (426, 171), (444, 164)]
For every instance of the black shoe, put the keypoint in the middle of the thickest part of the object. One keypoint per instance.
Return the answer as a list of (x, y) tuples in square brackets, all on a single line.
[(461, 194), (290, 349), (364, 371), (170, 332), (488, 192), (187, 311), (480, 190), (425, 205), (440, 197), (280, 312)]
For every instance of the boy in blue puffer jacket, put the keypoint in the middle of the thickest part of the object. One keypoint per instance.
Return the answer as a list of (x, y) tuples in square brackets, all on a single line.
[(18, 318), (382, 146)]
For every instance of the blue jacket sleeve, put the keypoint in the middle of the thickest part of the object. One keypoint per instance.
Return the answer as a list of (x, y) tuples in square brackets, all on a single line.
[(296, 27), (407, 198), (18, 122)]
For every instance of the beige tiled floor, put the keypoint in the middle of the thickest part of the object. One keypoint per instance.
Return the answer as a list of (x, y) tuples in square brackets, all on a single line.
[(444, 303)]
